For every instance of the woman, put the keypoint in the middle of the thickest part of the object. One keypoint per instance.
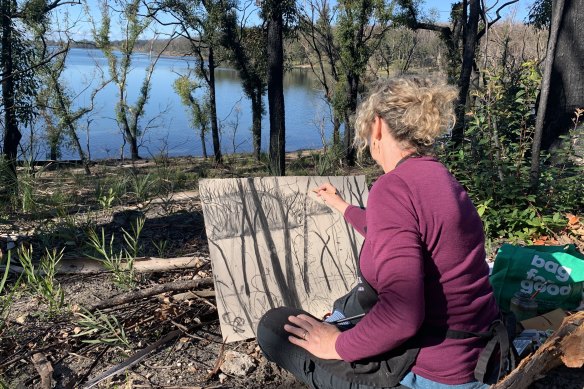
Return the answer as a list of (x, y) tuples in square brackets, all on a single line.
[(423, 261)]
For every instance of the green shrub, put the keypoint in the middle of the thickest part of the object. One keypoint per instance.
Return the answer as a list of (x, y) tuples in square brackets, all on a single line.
[(493, 163)]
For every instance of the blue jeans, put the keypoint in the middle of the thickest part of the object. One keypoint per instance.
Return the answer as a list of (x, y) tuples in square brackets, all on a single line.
[(415, 381)]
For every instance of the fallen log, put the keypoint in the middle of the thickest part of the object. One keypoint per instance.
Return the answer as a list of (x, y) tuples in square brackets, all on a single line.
[(176, 286), (84, 265), (566, 346)]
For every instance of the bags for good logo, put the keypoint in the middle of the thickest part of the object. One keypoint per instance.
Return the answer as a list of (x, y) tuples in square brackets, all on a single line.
[(554, 272)]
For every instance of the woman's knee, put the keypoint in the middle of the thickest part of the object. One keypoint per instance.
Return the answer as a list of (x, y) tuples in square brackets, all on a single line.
[(270, 333)]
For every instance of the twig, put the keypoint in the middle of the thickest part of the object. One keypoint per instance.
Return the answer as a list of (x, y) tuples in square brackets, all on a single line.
[(95, 362), (218, 362), (157, 289), (136, 358)]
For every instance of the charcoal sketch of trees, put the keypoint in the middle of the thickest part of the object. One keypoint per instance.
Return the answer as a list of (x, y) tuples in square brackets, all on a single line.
[(273, 243)]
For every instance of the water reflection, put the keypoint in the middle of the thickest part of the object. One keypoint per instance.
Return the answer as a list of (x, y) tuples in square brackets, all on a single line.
[(166, 124)]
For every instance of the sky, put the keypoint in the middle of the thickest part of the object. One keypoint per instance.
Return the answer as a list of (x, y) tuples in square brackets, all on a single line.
[(440, 8)]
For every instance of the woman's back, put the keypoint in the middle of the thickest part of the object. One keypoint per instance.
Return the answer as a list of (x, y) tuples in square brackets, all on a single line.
[(456, 288)]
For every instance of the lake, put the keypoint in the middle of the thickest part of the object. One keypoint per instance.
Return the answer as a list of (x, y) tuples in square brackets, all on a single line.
[(166, 122)]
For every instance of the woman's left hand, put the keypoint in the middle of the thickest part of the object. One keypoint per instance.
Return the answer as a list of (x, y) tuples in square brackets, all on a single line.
[(314, 336)]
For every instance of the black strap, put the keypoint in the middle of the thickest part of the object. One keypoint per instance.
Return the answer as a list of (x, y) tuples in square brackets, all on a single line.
[(498, 341), (501, 339)]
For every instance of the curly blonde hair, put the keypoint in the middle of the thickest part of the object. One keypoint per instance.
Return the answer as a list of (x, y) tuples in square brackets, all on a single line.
[(416, 111)]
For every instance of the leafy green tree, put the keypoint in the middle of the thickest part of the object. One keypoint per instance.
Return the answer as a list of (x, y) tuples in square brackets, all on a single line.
[(322, 52), (202, 23), (55, 103), (361, 25), (540, 14), (134, 25), (341, 39), (469, 23), (248, 54), (198, 109), (19, 21)]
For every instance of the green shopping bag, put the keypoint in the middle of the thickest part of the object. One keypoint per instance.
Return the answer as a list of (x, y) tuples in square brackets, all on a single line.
[(556, 273)]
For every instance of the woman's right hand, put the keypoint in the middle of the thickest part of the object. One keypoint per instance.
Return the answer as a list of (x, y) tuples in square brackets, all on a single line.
[(329, 195)]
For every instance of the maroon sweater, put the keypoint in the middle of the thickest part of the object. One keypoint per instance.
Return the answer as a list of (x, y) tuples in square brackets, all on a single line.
[(424, 255)]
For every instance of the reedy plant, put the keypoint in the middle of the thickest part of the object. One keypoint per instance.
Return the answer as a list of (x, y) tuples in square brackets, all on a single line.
[(5, 298), (103, 328), (41, 278), (120, 263)]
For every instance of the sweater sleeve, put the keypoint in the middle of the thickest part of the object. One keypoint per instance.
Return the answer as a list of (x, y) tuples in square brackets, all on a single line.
[(357, 217), (396, 252)]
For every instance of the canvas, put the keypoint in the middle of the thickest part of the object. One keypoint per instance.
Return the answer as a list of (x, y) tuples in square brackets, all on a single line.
[(274, 243)]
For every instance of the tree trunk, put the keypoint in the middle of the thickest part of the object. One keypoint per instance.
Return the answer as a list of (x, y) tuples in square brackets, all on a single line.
[(54, 151), (256, 130), (276, 93), (134, 147), (12, 135), (352, 95), (468, 55), (203, 142), (72, 133), (213, 103), (567, 73), (545, 93), (336, 130)]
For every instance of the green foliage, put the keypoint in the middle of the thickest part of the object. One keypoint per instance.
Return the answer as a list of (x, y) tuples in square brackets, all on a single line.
[(199, 109), (41, 278), (329, 161), (540, 14), (276, 8), (133, 24), (106, 200), (493, 163), (103, 328), (5, 298), (120, 263), (142, 186)]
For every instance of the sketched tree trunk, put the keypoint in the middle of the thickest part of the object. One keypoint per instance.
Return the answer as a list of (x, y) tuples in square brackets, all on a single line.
[(286, 286)]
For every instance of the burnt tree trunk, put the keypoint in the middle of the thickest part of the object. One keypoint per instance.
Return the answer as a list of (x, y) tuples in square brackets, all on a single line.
[(203, 143), (213, 103), (545, 93), (256, 129), (12, 134), (352, 95), (566, 92), (336, 130), (134, 148), (468, 57), (276, 92)]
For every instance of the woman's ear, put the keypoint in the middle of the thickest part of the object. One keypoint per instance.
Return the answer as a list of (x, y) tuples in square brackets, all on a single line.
[(376, 130)]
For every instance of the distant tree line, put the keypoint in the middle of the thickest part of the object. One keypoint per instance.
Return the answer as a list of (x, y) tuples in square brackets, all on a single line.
[(346, 45)]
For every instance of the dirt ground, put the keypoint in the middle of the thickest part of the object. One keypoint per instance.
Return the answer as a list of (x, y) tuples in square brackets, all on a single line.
[(174, 227)]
